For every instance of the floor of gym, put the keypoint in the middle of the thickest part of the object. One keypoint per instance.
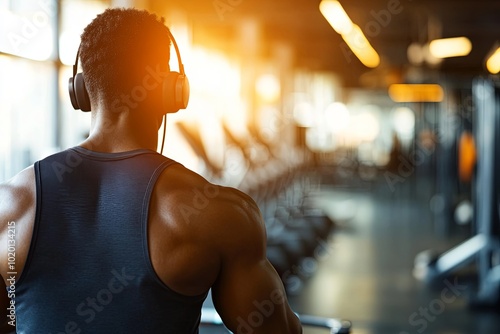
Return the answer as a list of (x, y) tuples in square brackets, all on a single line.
[(365, 272)]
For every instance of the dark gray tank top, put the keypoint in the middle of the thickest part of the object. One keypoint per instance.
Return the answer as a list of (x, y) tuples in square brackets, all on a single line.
[(88, 268)]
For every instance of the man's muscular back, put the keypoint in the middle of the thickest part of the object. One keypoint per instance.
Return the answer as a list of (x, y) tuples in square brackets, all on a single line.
[(200, 236)]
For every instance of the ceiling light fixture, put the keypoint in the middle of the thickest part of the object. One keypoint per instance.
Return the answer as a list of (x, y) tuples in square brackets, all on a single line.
[(450, 47), (493, 62), (361, 47), (335, 15), (352, 34), (416, 93)]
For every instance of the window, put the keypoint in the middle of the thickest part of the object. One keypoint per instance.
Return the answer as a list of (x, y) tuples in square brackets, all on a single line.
[(36, 118)]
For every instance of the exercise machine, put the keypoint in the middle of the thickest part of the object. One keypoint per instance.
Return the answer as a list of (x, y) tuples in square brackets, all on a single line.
[(483, 248)]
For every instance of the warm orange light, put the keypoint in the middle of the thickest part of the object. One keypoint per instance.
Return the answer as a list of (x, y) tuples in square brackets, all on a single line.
[(366, 127), (360, 46), (404, 122), (450, 47), (268, 88), (335, 15), (338, 117), (416, 93), (351, 33), (467, 157), (493, 62)]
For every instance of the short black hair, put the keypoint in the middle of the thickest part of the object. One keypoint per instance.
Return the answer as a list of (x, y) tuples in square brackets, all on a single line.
[(118, 46)]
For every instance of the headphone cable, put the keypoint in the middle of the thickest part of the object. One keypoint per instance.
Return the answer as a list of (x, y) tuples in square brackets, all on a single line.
[(164, 132)]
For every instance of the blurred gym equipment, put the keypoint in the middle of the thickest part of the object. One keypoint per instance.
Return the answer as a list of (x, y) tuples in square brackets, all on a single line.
[(483, 247)]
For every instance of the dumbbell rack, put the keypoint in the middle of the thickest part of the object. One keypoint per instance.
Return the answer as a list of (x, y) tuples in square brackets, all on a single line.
[(209, 316), (484, 246)]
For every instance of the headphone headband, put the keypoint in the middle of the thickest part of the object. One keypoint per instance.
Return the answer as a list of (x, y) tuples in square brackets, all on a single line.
[(178, 53), (75, 66)]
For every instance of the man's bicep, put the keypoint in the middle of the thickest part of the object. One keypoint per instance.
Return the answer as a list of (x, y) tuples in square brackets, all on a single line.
[(251, 299), (248, 293)]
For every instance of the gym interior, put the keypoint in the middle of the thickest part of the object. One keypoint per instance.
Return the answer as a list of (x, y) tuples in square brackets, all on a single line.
[(364, 130)]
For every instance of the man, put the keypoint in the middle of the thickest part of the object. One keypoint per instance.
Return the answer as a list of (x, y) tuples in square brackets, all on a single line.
[(112, 237)]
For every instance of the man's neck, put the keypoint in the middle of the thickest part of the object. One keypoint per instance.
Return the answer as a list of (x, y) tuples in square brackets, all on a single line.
[(120, 134)]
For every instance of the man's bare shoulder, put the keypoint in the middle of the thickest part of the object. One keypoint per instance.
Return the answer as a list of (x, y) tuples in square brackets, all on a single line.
[(179, 180), (18, 189), (17, 195), (217, 209)]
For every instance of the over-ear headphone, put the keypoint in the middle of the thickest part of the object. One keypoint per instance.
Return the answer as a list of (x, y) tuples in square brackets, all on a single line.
[(175, 87)]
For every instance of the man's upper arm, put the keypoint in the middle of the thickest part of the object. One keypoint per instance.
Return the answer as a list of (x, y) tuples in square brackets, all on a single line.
[(17, 209), (248, 294)]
